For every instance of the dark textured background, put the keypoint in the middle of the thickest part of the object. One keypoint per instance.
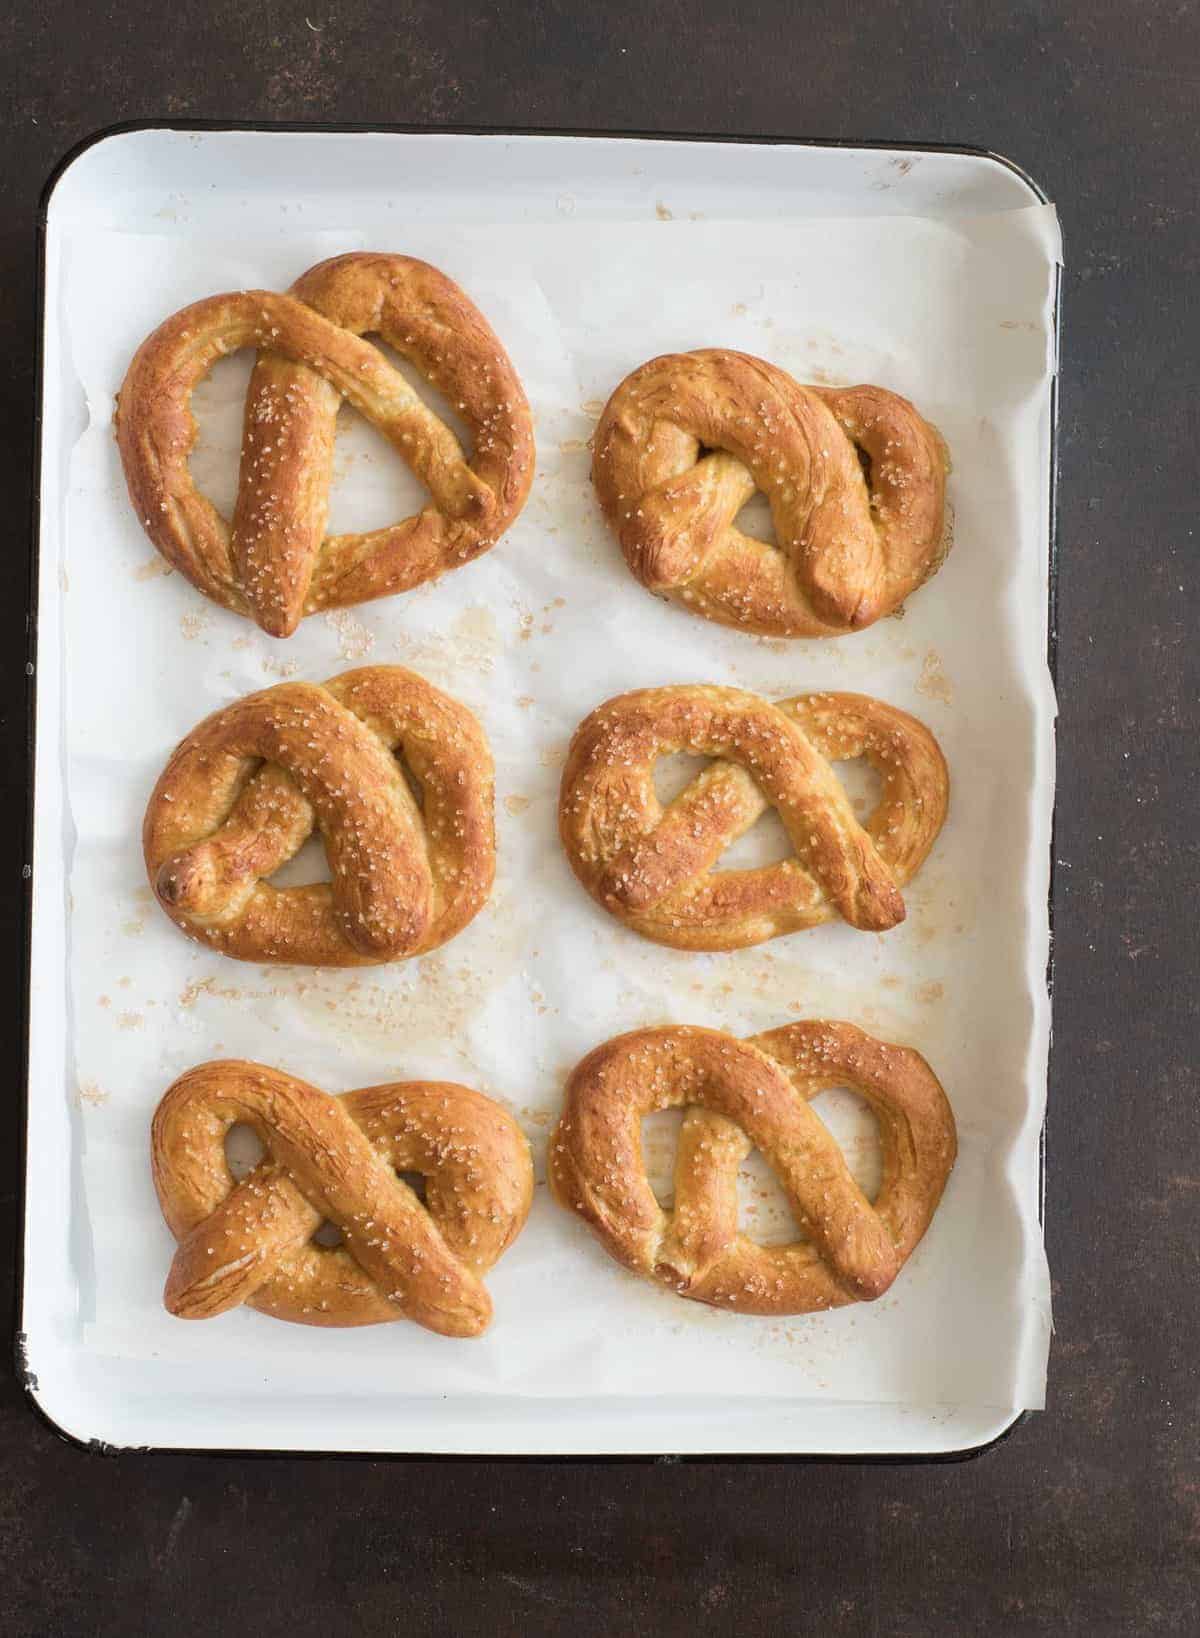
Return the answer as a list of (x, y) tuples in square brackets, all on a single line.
[(1088, 1518)]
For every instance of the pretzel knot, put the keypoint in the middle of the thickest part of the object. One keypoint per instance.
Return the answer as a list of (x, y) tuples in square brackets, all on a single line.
[(275, 563), (855, 479), (245, 790), (741, 1095), (653, 868), (336, 1159)]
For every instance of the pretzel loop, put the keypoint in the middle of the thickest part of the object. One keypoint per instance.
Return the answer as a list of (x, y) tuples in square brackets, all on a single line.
[(245, 790), (854, 476), (654, 867), (337, 1158), (275, 562), (753, 1094)]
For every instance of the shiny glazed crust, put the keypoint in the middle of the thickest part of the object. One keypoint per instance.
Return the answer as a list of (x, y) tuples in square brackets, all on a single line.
[(653, 867), (336, 1158), (274, 562), (741, 1095), (854, 476), (245, 790)]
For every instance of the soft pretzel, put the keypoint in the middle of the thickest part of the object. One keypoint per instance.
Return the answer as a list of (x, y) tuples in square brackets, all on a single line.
[(653, 867), (245, 790), (275, 563), (855, 479), (741, 1095), (337, 1159)]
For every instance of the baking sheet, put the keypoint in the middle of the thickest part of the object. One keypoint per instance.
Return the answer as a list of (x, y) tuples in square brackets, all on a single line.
[(957, 316)]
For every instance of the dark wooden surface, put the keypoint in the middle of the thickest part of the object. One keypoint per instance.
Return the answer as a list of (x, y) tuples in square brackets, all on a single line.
[(1088, 1518)]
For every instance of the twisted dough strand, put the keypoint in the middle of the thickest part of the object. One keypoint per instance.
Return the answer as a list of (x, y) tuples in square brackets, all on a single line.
[(249, 785), (855, 478), (337, 1158), (275, 563), (740, 1095), (654, 867)]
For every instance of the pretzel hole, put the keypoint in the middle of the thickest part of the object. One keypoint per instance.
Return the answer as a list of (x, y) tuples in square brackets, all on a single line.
[(217, 406), (328, 1235), (673, 774), (755, 520), (660, 1142), (765, 843), (304, 868), (444, 408), (415, 786), (243, 1150), (861, 782), (416, 1182), (764, 1210), (854, 1127), (372, 485), (868, 468)]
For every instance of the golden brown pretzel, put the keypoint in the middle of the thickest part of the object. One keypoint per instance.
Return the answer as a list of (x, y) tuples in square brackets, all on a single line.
[(244, 791), (855, 479), (275, 563), (741, 1095), (652, 867), (337, 1159)]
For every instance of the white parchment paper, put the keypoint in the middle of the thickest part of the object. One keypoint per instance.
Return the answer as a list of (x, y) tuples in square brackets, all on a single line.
[(532, 637)]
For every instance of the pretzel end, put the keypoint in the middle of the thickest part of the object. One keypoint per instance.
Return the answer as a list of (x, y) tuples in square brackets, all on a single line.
[(874, 1281), (468, 1315), (878, 907), (850, 607), (195, 1290), (188, 881), (279, 621), (179, 1300), (679, 1279)]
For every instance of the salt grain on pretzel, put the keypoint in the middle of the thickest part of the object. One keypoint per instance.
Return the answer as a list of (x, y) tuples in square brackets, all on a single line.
[(245, 790), (738, 1096), (274, 563), (854, 476), (654, 867), (337, 1159)]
